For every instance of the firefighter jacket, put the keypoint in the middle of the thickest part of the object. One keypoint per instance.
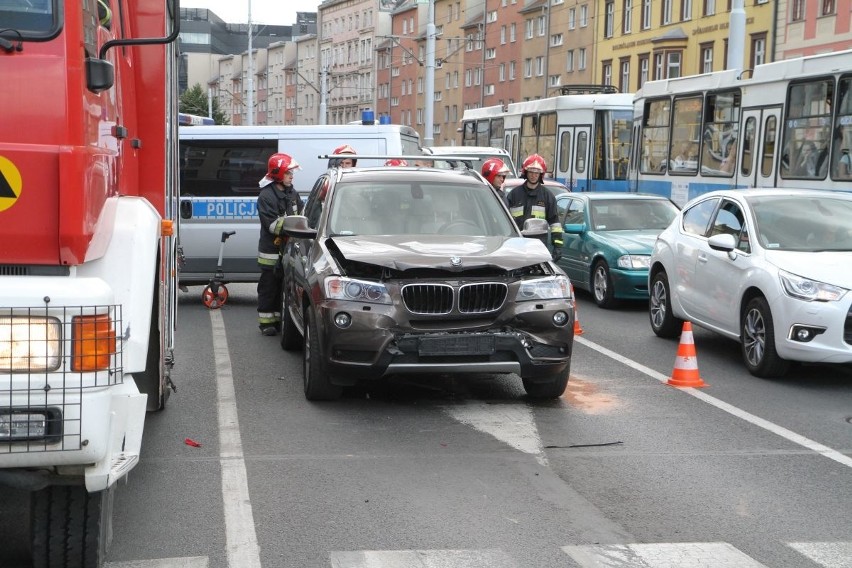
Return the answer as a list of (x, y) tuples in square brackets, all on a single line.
[(536, 203), (275, 202)]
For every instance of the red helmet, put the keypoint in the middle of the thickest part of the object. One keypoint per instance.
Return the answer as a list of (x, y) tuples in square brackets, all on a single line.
[(493, 167), (344, 149), (278, 165), (396, 162), (534, 163)]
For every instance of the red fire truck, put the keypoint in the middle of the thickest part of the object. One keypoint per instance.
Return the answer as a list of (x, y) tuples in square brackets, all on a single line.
[(88, 198)]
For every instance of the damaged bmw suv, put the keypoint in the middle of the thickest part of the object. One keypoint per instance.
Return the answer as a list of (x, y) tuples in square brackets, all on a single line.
[(395, 270)]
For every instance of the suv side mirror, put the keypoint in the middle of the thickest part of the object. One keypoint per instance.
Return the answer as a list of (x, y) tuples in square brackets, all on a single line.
[(535, 228), (297, 226)]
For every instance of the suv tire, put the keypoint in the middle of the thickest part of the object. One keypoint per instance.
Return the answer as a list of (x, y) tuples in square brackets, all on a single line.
[(290, 337), (548, 389), (317, 385)]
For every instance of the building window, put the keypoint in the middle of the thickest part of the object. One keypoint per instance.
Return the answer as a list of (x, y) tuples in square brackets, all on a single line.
[(624, 83), (827, 7), (511, 70), (666, 17), (581, 59), (758, 49), (491, 53), (501, 72), (686, 10), (707, 58), (609, 16), (528, 33), (542, 25), (491, 17), (539, 66), (555, 40), (512, 33), (569, 59), (502, 35), (584, 15), (489, 90), (607, 72), (658, 67), (627, 25), (710, 7), (646, 14), (528, 67), (643, 70), (673, 65), (572, 18), (554, 80)]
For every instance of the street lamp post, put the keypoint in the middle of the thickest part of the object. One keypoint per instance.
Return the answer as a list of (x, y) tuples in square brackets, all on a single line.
[(428, 137), (250, 77)]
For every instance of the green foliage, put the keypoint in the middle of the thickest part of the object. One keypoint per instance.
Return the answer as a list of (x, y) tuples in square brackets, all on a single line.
[(194, 101)]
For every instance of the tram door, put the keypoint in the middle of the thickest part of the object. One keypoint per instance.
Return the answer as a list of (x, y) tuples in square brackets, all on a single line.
[(759, 152), (573, 165)]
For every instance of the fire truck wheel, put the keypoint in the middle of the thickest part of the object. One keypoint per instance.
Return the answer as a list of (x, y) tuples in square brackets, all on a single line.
[(71, 527)]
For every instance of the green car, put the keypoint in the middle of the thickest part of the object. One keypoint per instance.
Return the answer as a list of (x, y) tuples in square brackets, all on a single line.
[(608, 241)]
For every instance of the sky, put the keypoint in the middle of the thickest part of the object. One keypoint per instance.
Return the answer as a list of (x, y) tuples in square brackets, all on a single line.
[(276, 12)]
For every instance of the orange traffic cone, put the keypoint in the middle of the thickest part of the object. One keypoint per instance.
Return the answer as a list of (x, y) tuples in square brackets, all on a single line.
[(577, 329), (685, 373)]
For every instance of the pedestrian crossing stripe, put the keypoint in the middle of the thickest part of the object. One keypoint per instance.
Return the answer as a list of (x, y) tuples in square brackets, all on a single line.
[(10, 183), (637, 555)]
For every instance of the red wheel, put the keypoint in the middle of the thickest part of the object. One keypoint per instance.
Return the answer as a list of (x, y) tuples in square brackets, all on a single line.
[(214, 301)]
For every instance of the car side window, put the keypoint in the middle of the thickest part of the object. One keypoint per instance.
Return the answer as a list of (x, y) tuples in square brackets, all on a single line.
[(575, 212), (314, 206), (697, 218), (562, 206), (730, 220)]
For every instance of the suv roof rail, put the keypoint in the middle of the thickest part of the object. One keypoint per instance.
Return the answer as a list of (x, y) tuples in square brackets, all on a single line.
[(589, 89)]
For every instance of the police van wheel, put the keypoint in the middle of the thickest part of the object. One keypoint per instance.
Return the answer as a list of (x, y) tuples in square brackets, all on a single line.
[(71, 527)]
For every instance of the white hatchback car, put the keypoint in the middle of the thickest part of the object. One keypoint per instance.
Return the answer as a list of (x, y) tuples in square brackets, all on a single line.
[(770, 268)]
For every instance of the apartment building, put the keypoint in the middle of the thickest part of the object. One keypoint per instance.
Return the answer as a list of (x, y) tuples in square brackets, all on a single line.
[(810, 28)]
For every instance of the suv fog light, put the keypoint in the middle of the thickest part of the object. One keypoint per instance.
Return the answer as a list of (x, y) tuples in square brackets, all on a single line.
[(342, 320), (560, 319), (804, 334)]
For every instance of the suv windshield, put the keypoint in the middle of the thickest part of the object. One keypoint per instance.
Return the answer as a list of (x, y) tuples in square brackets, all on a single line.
[(428, 208)]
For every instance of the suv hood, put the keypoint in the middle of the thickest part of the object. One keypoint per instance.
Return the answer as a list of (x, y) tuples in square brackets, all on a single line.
[(404, 252)]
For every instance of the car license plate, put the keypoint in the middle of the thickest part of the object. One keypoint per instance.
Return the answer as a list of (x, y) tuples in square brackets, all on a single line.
[(456, 345)]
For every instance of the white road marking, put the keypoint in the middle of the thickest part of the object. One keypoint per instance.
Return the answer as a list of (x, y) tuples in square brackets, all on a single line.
[(662, 555), (828, 554), (422, 559), (188, 562), (729, 408), (240, 536), (510, 423)]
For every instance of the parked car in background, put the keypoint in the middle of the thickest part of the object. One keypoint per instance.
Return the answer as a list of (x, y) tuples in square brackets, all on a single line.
[(408, 269), (607, 241), (769, 268), (482, 152)]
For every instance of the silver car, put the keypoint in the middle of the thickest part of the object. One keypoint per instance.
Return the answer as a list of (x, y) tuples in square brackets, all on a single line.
[(770, 268)]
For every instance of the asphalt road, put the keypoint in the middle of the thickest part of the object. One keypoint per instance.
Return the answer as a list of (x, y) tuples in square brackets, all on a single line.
[(452, 472)]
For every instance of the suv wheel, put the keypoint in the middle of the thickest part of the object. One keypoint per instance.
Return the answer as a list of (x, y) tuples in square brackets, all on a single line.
[(317, 385), (663, 321), (757, 339), (548, 389), (290, 340)]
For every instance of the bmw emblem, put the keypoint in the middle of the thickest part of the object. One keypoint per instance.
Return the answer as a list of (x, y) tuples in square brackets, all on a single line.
[(455, 260)]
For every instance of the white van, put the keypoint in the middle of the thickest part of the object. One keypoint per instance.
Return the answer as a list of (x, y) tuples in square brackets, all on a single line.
[(220, 170)]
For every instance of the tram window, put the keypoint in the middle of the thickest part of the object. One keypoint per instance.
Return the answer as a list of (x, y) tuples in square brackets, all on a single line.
[(469, 134), (842, 145), (686, 124), (496, 131), (768, 151), (655, 136), (529, 135), (748, 144), (807, 130), (582, 151), (482, 128), (719, 139), (565, 151), (547, 137)]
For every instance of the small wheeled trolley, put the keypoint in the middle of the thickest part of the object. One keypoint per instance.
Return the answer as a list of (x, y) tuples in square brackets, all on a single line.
[(215, 294)]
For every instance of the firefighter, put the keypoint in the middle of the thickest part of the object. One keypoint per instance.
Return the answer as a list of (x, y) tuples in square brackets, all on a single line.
[(345, 162), (277, 199), (396, 162), (495, 171), (532, 200)]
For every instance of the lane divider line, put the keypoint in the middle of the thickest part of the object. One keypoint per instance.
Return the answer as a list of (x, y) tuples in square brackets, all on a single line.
[(240, 535), (724, 406)]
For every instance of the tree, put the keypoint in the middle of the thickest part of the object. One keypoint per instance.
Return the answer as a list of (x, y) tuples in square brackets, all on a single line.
[(194, 101)]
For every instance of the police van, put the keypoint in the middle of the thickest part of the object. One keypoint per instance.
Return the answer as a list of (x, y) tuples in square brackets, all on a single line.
[(220, 170)]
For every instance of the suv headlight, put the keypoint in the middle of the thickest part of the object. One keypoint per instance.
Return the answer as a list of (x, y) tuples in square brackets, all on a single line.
[(635, 261), (551, 288), (809, 290), (352, 290)]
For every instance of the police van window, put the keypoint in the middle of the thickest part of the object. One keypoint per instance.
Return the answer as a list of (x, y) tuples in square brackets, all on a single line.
[(223, 168)]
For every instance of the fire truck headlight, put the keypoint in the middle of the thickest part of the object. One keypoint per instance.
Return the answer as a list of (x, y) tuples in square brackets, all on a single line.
[(30, 343)]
